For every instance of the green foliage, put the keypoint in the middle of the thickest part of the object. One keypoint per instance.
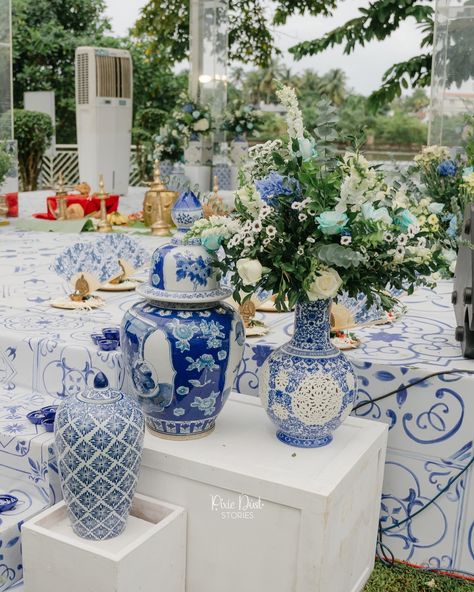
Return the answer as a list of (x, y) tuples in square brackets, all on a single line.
[(400, 128), (5, 164), (45, 36), (405, 579), (33, 132), (377, 22), (165, 23)]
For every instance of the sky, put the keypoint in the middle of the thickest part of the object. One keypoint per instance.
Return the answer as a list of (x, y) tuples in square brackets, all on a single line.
[(364, 68)]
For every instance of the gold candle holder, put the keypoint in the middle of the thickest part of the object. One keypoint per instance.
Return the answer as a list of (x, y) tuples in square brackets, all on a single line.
[(61, 195), (104, 225)]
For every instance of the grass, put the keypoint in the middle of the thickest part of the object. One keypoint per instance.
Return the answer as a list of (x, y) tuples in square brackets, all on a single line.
[(405, 579)]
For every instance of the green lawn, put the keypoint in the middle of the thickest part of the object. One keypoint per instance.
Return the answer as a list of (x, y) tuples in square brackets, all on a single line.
[(404, 579)]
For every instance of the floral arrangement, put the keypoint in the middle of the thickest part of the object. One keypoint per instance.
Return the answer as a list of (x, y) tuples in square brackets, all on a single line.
[(168, 145), (308, 225), (241, 120), (192, 119), (440, 187)]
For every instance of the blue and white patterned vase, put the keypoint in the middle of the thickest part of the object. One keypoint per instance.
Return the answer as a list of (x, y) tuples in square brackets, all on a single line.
[(99, 442), (307, 386), (182, 346)]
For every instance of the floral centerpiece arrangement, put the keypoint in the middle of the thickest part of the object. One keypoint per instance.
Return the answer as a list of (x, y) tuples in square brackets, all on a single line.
[(440, 187), (241, 120), (169, 146), (192, 119), (307, 225)]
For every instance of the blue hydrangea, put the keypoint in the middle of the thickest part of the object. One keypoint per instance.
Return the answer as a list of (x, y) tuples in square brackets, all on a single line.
[(274, 185), (452, 230), (447, 168), (188, 108)]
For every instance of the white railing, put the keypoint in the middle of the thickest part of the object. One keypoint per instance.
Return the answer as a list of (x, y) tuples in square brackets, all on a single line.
[(66, 161)]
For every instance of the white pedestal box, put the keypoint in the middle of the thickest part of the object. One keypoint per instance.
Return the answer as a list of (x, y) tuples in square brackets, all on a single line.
[(199, 175), (150, 555), (266, 517)]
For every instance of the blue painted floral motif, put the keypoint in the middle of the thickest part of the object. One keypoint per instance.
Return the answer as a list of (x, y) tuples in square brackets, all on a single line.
[(213, 331), (183, 332), (196, 269), (207, 405), (204, 362)]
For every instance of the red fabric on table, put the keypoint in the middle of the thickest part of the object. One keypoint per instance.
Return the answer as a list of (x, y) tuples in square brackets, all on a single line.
[(89, 204), (12, 203)]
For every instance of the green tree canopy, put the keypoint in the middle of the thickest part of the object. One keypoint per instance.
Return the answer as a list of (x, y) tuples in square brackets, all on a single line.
[(45, 36), (166, 24)]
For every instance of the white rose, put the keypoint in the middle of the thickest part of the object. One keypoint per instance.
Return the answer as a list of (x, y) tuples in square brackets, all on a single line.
[(250, 270), (325, 285), (201, 126)]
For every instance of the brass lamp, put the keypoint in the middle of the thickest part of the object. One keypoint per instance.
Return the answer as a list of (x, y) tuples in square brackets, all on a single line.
[(61, 195), (104, 225), (157, 205)]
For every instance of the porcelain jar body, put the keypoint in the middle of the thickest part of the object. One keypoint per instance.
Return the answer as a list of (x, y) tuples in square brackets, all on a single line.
[(199, 151), (99, 442), (307, 386), (181, 362), (239, 148)]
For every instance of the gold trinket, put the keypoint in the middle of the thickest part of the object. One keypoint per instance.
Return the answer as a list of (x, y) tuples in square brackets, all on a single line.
[(81, 289), (157, 205), (104, 224), (247, 310)]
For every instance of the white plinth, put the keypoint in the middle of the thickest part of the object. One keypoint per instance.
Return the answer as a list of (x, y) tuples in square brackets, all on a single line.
[(149, 555), (199, 175), (263, 516)]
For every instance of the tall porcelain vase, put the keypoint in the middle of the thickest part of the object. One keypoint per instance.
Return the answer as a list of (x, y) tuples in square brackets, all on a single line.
[(307, 386)]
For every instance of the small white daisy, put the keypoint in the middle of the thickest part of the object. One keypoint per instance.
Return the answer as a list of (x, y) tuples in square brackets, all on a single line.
[(300, 251), (271, 231), (249, 241), (422, 242), (311, 240), (257, 226), (302, 217), (388, 237), (402, 240), (346, 240)]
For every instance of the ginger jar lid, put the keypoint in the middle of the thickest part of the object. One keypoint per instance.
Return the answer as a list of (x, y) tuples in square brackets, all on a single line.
[(182, 270)]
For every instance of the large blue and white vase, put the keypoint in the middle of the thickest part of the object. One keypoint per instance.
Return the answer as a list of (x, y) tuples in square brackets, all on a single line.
[(99, 442), (307, 386), (182, 346)]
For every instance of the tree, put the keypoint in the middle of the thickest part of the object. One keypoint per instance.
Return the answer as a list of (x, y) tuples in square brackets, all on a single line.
[(377, 22), (166, 24), (333, 86), (33, 132), (45, 36)]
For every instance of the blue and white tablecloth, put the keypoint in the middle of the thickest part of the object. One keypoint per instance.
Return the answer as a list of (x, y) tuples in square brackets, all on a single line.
[(46, 354)]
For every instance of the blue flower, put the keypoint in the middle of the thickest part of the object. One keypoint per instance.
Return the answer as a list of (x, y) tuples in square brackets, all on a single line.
[(332, 222), (188, 108), (406, 219), (452, 230), (204, 362), (183, 333), (179, 411), (274, 185), (212, 242), (447, 168)]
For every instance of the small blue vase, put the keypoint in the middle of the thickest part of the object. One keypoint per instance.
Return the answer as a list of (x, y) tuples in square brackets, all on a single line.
[(99, 442), (307, 386)]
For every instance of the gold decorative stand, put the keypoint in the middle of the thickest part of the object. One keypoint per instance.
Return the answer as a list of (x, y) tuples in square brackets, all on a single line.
[(104, 225), (157, 205)]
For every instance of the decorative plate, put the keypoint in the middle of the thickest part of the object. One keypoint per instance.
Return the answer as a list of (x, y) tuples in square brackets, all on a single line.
[(125, 286), (66, 303)]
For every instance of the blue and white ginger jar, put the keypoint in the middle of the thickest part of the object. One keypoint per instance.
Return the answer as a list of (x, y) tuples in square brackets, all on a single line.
[(307, 386), (182, 346), (99, 442)]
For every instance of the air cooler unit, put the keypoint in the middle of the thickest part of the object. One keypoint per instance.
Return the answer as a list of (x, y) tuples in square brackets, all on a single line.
[(104, 90)]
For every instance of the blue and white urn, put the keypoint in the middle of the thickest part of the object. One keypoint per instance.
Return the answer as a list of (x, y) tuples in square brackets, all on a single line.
[(307, 386), (182, 346), (99, 442)]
